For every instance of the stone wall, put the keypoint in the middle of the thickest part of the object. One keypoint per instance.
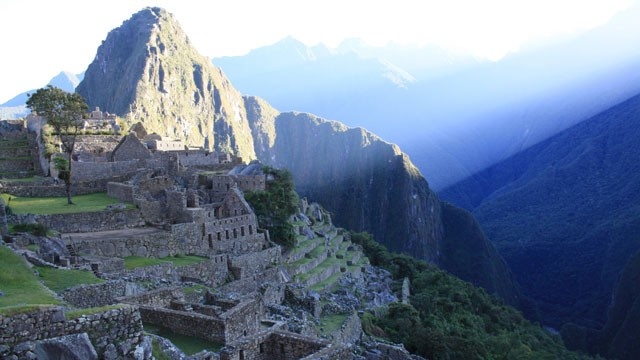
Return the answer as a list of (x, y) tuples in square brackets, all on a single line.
[(136, 242), (276, 345), (255, 282), (120, 191), (241, 320), (156, 298), (90, 171), (83, 222), (196, 158), (237, 234), (211, 272), (186, 323), (48, 189), (257, 262), (301, 269), (114, 333), (87, 296)]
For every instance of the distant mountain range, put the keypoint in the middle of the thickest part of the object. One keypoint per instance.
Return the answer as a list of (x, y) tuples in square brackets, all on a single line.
[(453, 115), (15, 108)]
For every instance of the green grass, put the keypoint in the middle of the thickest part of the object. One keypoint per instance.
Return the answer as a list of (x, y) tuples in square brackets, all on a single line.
[(331, 323), (329, 281), (60, 279), (197, 288), (156, 351), (30, 179), (132, 262), (19, 284), (189, 345), (58, 205)]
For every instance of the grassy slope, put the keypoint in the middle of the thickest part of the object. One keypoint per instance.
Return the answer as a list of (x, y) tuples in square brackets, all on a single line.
[(19, 284)]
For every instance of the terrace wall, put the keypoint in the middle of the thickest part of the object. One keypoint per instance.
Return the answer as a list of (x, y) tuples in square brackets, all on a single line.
[(114, 333)]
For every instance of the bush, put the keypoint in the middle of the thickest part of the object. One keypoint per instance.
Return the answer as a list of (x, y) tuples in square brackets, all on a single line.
[(35, 229)]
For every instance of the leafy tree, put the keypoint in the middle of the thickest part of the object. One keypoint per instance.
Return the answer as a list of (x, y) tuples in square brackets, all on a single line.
[(276, 205), (64, 112)]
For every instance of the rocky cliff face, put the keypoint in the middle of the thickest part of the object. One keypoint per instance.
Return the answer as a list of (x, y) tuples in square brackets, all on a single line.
[(366, 182), (147, 71)]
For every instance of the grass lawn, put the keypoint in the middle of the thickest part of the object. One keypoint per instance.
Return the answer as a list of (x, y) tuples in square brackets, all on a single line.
[(189, 345), (60, 279), (18, 283), (58, 205), (132, 262), (23, 180)]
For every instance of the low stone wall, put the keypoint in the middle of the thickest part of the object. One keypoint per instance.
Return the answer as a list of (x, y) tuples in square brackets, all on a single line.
[(277, 345), (120, 191), (89, 171), (87, 296), (323, 275), (308, 266), (114, 333), (211, 272), (252, 283), (257, 262), (83, 222), (186, 323), (137, 242), (155, 298), (302, 251)]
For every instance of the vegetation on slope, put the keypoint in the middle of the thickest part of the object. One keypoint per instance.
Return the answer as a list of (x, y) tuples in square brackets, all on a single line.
[(619, 339), (564, 214), (448, 318), (276, 205)]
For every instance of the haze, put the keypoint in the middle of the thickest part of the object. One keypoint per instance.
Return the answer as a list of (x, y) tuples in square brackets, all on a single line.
[(41, 38)]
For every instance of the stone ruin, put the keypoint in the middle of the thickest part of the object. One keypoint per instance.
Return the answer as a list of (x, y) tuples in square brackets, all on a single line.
[(257, 304)]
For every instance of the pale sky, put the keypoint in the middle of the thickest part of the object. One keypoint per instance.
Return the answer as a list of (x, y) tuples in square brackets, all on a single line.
[(40, 38)]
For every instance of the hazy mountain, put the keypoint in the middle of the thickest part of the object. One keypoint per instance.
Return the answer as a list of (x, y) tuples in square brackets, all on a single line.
[(564, 213), (146, 70), (458, 116), (15, 108)]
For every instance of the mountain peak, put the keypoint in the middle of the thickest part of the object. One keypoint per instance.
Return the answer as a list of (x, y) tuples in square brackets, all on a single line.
[(147, 71)]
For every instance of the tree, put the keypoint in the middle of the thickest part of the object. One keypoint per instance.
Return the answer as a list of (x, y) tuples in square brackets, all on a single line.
[(275, 205), (64, 112)]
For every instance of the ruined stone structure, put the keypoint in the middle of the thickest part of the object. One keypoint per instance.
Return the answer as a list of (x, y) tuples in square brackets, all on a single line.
[(100, 121), (157, 142), (190, 202), (18, 150), (115, 333)]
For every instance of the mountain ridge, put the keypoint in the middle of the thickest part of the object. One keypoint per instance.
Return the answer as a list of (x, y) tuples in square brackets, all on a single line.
[(563, 213)]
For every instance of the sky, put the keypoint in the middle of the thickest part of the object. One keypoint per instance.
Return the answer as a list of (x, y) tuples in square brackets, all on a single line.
[(40, 38)]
